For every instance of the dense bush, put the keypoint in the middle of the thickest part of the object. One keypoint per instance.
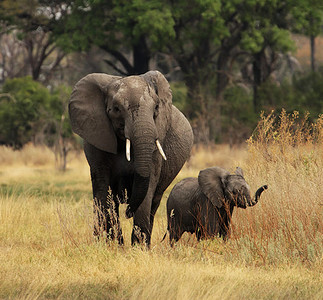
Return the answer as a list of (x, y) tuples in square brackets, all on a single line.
[(238, 115), (179, 91), (29, 112), (24, 103), (304, 94)]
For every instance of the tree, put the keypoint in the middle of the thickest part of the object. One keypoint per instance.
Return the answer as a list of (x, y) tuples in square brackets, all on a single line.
[(33, 23), (23, 106), (130, 31), (309, 21), (212, 36), (29, 112), (266, 37), (199, 28), (59, 131)]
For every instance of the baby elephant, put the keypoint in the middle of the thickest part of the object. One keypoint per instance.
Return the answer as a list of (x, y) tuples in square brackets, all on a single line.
[(204, 205)]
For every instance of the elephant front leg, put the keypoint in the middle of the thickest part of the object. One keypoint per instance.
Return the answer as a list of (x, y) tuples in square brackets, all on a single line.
[(106, 209), (107, 219), (141, 235), (142, 221), (144, 216)]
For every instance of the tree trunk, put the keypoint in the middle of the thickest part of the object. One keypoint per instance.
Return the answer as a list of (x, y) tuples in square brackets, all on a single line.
[(141, 57), (197, 110), (222, 81), (312, 45), (257, 79), (262, 67)]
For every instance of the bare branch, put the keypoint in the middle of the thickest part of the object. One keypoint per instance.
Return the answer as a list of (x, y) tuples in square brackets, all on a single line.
[(111, 64)]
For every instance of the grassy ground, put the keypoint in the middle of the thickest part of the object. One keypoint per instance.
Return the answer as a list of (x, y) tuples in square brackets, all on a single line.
[(275, 251)]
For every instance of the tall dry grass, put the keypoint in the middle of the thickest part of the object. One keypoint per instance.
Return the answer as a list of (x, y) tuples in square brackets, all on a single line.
[(47, 249), (286, 153), (28, 156)]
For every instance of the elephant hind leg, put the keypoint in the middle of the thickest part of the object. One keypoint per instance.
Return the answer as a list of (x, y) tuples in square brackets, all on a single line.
[(174, 239), (140, 236), (175, 232)]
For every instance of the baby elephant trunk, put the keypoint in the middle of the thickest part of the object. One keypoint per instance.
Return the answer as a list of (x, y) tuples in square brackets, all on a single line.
[(255, 200)]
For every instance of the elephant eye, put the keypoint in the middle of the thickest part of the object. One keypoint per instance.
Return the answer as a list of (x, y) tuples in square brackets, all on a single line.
[(156, 111), (116, 109)]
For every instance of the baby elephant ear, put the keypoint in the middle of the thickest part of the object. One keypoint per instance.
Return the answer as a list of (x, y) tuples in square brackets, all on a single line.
[(212, 182), (87, 111), (239, 171)]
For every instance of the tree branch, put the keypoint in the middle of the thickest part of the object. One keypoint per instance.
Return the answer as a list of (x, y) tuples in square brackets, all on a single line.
[(111, 64), (121, 58)]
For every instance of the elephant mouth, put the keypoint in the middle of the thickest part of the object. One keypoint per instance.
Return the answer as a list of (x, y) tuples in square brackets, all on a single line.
[(242, 202), (120, 132)]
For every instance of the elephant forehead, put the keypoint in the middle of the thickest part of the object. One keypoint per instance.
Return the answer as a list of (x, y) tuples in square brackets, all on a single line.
[(132, 90), (237, 182)]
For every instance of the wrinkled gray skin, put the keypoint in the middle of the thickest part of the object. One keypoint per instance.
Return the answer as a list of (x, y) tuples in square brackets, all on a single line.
[(204, 205), (105, 111)]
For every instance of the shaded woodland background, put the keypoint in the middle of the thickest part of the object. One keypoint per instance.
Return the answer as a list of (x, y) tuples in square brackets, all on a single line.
[(226, 61)]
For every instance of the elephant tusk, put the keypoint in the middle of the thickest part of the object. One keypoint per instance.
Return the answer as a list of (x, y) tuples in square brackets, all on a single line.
[(128, 149), (161, 151)]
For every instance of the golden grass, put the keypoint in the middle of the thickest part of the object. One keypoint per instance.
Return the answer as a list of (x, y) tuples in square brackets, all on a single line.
[(29, 155), (275, 251)]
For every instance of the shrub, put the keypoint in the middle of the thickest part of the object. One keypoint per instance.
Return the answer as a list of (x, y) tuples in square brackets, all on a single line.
[(24, 103), (29, 112)]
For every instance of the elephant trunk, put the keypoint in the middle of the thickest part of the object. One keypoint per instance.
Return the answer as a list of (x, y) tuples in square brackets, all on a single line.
[(255, 200), (143, 141)]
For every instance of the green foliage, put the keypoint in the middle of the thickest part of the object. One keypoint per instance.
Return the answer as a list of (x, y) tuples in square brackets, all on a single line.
[(199, 25), (179, 92), (88, 23), (267, 25), (28, 109), (150, 18), (23, 104), (308, 17), (115, 24), (304, 94), (238, 116)]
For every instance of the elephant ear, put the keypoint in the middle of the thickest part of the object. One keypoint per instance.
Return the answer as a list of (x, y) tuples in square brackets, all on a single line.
[(212, 182), (239, 171), (87, 111), (158, 81)]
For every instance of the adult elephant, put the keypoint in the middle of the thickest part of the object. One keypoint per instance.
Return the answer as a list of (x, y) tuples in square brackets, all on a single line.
[(135, 142)]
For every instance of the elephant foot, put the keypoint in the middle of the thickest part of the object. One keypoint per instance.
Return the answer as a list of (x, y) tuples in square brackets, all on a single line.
[(139, 237)]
